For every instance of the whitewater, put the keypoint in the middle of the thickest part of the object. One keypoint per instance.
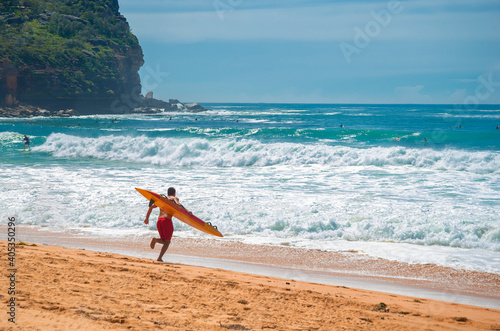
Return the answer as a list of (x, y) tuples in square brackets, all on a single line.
[(412, 183)]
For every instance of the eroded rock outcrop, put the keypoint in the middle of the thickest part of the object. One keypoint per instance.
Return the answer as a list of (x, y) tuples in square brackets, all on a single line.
[(149, 104), (20, 110), (60, 55)]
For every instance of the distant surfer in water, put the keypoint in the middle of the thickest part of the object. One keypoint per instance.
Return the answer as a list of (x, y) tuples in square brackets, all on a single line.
[(164, 225), (26, 142)]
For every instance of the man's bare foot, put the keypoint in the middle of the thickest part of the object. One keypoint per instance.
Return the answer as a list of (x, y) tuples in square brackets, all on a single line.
[(159, 260), (153, 243)]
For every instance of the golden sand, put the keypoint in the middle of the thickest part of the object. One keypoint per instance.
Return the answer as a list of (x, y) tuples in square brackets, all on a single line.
[(73, 289)]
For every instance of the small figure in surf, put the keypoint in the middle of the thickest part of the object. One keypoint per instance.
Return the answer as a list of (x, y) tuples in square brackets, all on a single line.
[(26, 142), (164, 225)]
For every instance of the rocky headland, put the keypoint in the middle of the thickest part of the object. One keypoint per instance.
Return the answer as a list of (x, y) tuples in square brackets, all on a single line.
[(64, 58)]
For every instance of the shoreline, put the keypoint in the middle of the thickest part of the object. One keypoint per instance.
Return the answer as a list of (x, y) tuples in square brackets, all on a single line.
[(61, 288), (149, 105), (338, 269)]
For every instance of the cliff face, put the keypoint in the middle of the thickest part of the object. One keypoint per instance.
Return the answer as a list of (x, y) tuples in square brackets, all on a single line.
[(59, 54)]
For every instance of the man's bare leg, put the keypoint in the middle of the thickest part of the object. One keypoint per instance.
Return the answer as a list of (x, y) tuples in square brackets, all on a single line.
[(165, 243), (155, 241)]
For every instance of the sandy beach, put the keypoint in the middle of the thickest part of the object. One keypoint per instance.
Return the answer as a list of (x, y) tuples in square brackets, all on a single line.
[(347, 268), (59, 288)]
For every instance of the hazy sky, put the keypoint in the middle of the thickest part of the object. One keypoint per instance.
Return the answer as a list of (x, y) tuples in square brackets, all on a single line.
[(317, 51)]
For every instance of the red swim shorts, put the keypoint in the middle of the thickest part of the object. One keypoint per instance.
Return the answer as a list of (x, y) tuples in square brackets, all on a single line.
[(165, 228)]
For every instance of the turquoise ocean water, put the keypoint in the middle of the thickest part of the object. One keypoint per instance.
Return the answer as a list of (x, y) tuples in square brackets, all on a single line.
[(414, 183)]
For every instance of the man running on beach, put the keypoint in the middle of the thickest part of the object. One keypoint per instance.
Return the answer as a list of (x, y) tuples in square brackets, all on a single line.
[(26, 142), (164, 225)]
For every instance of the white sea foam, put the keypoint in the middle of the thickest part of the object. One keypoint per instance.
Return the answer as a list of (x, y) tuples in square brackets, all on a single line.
[(310, 206), (458, 115), (246, 152), (8, 138)]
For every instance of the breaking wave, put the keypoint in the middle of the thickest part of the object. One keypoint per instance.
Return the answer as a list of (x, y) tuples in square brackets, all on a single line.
[(200, 152)]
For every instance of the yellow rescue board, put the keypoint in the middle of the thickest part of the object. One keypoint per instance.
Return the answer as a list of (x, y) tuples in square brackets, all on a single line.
[(179, 212)]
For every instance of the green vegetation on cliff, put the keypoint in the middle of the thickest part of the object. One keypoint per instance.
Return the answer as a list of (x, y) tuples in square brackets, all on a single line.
[(62, 50)]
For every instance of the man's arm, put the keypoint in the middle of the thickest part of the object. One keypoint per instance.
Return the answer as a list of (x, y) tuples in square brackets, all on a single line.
[(146, 221), (183, 206), (176, 200)]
